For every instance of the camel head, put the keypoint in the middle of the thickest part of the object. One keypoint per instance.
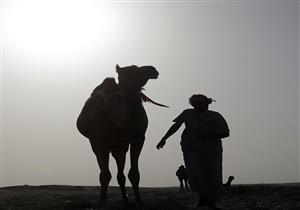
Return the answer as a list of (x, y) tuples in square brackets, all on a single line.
[(133, 78), (181, 167), (230, 178)]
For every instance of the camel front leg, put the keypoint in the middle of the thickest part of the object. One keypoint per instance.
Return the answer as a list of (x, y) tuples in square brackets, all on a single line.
[(134, 174)]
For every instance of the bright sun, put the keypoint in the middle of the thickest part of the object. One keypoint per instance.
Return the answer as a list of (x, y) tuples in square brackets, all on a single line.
[(58, 29)]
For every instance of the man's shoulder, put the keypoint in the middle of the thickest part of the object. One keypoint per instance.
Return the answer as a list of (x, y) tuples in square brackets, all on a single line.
[(188, 110), (213, 113)]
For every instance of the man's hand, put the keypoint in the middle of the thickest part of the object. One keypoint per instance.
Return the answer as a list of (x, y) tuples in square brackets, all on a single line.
[(161, 144)]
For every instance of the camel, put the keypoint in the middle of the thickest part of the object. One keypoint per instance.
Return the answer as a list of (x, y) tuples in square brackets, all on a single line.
[(114, 120)]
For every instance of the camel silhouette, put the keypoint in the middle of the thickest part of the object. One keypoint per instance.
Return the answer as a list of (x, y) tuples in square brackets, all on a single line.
[(113, 119)]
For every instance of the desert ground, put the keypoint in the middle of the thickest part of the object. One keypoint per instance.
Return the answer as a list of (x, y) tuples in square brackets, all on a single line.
[(237, 197)]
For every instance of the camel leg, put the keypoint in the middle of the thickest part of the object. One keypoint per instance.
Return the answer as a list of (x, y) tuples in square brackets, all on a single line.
[(120, 158), (181, 183), (186, 185), (105, 175), (134, 174)]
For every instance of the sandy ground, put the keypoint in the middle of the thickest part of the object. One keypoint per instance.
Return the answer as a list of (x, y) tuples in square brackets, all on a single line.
[(241, 197)]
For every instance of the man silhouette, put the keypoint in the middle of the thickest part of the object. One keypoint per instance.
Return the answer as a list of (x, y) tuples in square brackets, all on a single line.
[(202, 148)]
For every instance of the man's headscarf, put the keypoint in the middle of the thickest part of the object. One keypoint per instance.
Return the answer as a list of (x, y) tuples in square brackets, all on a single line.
[(200, 99)]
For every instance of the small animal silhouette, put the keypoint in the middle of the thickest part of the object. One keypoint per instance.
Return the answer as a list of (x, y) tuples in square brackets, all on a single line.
[(182, 177)]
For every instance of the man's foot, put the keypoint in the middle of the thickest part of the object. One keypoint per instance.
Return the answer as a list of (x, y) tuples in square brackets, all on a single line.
[(187, 189), (211, 206), (202, 202)]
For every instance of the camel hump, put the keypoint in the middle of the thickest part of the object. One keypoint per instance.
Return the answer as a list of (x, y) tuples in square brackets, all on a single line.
[(107, 87), (107, 98), (114, 101)]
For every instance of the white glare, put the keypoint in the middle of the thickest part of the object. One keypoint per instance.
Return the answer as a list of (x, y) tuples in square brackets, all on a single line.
[(58, 29)]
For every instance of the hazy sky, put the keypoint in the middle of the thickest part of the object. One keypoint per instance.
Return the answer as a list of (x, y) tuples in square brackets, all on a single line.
[(244, 54)]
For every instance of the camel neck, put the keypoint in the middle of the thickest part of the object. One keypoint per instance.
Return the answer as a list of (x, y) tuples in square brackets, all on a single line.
[(133, 97)]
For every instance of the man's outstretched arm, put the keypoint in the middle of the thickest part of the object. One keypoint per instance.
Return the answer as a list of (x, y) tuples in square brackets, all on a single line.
[(169, 133)]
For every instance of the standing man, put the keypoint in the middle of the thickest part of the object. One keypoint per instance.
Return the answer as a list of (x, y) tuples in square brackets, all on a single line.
[(202, 148)]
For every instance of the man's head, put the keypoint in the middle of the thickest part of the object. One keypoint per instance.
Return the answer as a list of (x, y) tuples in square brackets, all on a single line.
[(200, 102)]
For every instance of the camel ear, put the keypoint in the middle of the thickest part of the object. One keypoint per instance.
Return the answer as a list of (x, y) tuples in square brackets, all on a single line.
[(118, 68)]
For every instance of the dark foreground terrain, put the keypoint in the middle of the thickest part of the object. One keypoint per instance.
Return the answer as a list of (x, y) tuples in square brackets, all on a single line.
[(242, 197)]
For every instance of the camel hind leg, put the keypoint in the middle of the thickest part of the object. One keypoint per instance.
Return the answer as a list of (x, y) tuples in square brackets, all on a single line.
[(105, 175), (119, 154), (102, 155)]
